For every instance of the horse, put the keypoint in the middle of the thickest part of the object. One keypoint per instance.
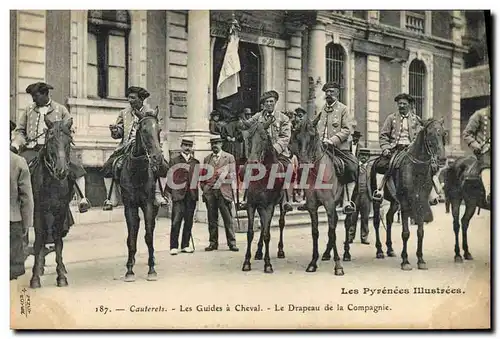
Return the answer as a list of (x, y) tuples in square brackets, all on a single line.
[(260, 197), (52, 194), (142, 166), (457, 189), (307, 143), (413, 181)]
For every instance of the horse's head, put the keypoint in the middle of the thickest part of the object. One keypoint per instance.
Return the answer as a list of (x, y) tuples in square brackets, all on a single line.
[(56, 154), (306, 141), (434, 138), (260, 141), (147, 140)]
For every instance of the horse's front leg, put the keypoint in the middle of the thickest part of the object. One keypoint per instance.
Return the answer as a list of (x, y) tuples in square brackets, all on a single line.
[(265, 217), (470, 208), (393, 209), (251, 217), (149, 220), (455, 210), (332, 232), (348, 223), (405, 235), (38, 254), (313, 213), (132, 218), (281, 252), (420, 242), (260, 244), (60, 269), (376, 226)]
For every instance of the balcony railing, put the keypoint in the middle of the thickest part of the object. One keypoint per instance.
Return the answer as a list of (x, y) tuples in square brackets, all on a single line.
[(415, 22)]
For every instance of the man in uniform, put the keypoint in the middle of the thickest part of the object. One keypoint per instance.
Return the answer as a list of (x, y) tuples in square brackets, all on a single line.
[(477, 135), (335, 127), (398, 132), (280, 133), (29, 136), (125, 129)]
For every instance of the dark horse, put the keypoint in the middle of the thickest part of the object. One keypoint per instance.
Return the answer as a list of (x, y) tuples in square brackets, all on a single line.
[(458, 187), (260, 197), (52, 193), (413, 181), (307, 144), (141, 168)]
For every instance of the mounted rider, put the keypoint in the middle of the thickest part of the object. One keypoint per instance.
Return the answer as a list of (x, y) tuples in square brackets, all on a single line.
[(335, 126), (279, 131), (125, 129), (477, 135), (29, 136)]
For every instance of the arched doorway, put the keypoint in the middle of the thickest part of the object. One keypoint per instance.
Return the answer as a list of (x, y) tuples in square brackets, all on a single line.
[(249, 93)]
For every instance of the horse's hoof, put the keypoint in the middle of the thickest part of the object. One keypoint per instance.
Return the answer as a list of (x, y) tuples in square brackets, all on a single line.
[(422, 266), (129, 277), (339, 271), (311, 268), (258, 256), (281, 255), (326, 257), (458, 259), (153, 276), (35, 283), (380, 255), (391, 253), (268, 269), (406, 267), (468, 256), (246, 267), (347, 257), (62, 282)]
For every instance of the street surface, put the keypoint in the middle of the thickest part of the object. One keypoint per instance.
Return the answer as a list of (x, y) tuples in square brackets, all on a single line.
[(95, 257)]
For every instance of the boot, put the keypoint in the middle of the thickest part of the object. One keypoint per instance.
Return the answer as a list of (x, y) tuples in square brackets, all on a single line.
[(84, 204), (378, 195), (159, 198), (350, 207), (112, 202), (286, 204)]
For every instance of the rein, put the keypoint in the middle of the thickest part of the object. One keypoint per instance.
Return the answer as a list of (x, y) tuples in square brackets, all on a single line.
[(429, 151), (47, 160)]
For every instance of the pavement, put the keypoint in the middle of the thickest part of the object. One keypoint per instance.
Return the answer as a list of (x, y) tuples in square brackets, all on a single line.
[(190, 287)]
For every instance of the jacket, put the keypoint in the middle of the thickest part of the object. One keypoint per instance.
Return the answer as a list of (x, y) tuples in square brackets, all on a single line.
[(227, 164), (27, 125), (478, 129), (21, 193), (280, 130), (125, 122), (183, 175), (338, 124), (391, 130)]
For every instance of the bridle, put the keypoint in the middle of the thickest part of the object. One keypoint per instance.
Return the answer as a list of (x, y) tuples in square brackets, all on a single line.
[(47, 159), (267, 140), (147, 155), (433, 157)]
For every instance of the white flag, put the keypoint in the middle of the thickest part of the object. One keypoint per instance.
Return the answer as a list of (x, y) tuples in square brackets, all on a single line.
[(229, 79)]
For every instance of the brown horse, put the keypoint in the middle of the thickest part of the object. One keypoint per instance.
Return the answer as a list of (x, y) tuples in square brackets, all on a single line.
[(141, 168), (307, 144), (52, 193), (458, 187), (413, 181), (261, 197)]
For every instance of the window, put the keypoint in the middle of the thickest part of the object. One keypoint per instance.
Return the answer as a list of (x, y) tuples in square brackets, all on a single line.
[(107, 63), (335, 67), (417, 74), (415, 21)]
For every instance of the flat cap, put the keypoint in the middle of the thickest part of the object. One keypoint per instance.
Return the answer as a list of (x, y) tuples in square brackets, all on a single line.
[(141, 92), (404, 96), (269, 94), (37, 87), (330, 85)]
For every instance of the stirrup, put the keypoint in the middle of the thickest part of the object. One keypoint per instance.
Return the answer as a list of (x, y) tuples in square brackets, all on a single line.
[(107, 206), (378, 195), (241, 206), (349, 208), (83, 205)]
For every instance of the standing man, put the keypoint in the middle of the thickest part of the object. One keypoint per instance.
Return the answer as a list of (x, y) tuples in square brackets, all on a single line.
[(29, 136), (21, 211), (477, 135), (362, 198), (335, 127), (220, 197), (184, 199), (279, 131), (124, 129), (355, 144)]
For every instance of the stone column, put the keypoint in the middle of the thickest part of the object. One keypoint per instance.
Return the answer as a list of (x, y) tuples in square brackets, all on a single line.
[(316, 66), (198, 93), (373, 93)]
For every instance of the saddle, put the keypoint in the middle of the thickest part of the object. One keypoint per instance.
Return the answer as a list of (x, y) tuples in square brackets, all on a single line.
[(396, 160), (338, 163), (473, 171)]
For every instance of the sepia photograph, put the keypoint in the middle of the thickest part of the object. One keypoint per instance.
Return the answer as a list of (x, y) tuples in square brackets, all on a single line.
[(206, 169)]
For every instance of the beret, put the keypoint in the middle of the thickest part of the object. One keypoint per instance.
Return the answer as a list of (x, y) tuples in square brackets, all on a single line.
[(37, 87), (141, 92), (269, 94), (329, 85), (404, 96)]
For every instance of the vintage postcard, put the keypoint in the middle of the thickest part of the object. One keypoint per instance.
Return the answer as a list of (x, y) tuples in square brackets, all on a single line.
[(250, 169)]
